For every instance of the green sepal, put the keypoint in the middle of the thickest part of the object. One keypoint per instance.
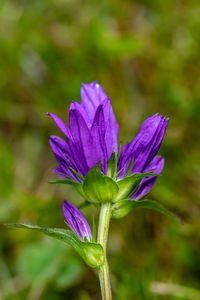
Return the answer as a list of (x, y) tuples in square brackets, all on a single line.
[(112, 166), (124, 207), (129, 184), (76, 173), (92, 253), (130, 168), (99, 188), (117, 174), (76, 185)]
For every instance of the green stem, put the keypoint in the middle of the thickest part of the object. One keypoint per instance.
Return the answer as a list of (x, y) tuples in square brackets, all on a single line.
[(104, 220)]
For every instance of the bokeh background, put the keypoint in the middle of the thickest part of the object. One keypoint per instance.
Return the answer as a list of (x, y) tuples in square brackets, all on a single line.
[(146, 56)]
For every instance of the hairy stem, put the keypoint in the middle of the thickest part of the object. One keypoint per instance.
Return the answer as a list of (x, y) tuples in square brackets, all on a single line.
[(104, 220)]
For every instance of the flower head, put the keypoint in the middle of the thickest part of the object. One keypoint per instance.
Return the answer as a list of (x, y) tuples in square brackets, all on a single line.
[(143, 150), (92, 136), (76, 221)]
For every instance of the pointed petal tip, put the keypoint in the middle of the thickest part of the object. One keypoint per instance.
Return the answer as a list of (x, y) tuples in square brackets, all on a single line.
[(51, 115), (51, 137), (56, 139), (160, 116), (163, 117), (65, 203), (160, 158), (159, 119), (93, 85)]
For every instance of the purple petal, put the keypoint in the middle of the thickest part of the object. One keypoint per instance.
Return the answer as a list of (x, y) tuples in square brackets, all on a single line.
[(76, 221), (112, 129), (83, 139), (59, 146), (77, 106), (74, 152), (145, 145), (63, 155), (156, 165), (61, 125), (105, 133), (59, 172), (92, 95), (98, 136)]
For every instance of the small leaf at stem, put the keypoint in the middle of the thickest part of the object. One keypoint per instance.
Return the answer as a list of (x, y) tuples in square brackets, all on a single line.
[(76, 185), (129, 184), (123, 207)]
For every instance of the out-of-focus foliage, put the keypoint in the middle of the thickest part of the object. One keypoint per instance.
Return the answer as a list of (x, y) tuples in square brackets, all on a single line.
[(146, 56)]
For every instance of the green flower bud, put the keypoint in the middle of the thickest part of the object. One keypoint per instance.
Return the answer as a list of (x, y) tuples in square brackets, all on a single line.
[(93, 254), (99, 188), (122, 208)]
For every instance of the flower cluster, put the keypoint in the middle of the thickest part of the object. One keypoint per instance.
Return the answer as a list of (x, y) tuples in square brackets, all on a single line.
[(116, 182), (92, 137)]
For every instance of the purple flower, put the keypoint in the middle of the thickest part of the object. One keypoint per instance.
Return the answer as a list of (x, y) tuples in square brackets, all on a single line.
[(76, 221), (143, 150), (92, 137), (92, 134)]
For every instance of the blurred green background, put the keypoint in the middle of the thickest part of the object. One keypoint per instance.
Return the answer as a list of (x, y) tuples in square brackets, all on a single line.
[(146, 56)]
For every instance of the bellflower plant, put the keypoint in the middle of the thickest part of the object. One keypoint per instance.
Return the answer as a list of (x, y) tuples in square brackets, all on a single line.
[(115, 181)]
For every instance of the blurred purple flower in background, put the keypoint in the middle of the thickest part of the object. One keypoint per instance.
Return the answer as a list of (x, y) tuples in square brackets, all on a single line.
[(76, 221), (93, 135)]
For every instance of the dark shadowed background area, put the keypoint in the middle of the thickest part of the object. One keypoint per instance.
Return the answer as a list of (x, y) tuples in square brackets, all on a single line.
[(146, 56)]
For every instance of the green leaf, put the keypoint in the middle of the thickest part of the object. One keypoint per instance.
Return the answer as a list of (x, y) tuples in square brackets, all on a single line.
[(66, 236), (99, 188), (92, 253), (129, 184), (123, 207), (76, 185)]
